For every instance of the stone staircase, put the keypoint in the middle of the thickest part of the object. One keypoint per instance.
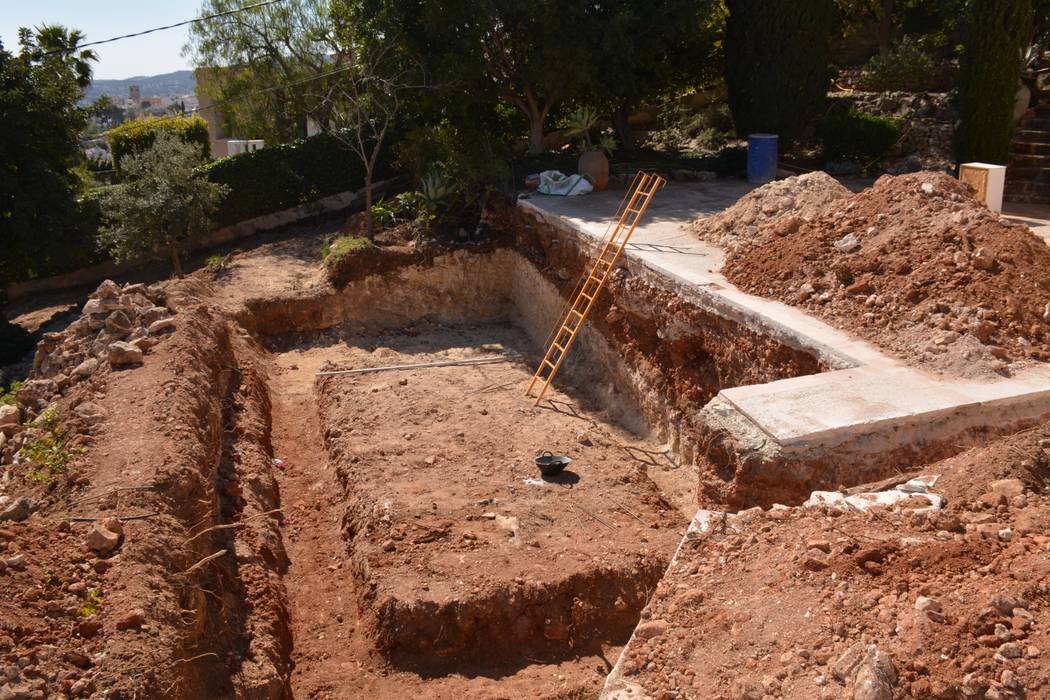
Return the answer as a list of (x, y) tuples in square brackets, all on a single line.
[(1028, 174)]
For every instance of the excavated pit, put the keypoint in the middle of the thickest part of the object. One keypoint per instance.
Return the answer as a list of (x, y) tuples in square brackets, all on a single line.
[(387, 534), (457, 559)]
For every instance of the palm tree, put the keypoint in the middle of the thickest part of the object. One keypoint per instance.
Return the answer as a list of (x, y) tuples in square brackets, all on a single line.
[(55, 40)]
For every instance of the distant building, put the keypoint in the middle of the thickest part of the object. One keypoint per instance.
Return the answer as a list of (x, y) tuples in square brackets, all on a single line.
[(160, 101), (135, 94), (237, 146), (222, 143), (213, 115)]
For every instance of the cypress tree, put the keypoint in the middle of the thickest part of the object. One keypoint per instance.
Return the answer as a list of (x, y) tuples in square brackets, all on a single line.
[(991, 68), (777, 62)]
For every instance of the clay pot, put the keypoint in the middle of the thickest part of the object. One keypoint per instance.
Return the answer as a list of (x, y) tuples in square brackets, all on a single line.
[(595, 166)]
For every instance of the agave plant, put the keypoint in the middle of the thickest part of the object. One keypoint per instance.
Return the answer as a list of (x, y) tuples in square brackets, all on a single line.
[(436, 189), (580, 124), (608, 144)]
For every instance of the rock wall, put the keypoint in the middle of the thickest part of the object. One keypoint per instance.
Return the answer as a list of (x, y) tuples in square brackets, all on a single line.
[(927, 120)]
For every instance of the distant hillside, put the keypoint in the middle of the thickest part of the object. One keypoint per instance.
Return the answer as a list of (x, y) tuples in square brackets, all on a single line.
[(177, 83)]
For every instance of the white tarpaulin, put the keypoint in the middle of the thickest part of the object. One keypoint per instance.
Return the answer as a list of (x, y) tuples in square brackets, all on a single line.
[(557, 183)]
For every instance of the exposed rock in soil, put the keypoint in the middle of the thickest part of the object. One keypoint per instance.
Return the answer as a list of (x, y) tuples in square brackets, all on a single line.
[(117, 325), (15, 509), (798, 197), (105, 536), (915, 265), (812, 602)]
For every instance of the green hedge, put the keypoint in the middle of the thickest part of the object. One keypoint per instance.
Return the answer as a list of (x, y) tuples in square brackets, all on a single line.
[(137, 135), (261, 182), (857, 136), (280, 177)]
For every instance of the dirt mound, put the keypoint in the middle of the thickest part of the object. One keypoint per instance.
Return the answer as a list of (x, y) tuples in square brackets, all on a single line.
[(820, 603), (139, 484), (802, 196), (915, 265)]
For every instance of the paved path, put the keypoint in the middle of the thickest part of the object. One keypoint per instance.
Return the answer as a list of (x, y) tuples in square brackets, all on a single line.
[(869, 392)]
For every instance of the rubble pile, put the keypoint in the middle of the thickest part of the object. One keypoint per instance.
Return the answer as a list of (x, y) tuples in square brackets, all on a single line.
[(801, 196), (917, 266), (117, 326), (887, 598)]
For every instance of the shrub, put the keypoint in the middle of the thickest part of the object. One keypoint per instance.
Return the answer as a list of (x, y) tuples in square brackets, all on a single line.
[(334, 252), (162, 205), (407, 207), (92, 603), (70, 246), (683, 130), (990, 71), (48, 453), (217, 263), (138, 135), (905, 67), (857, 136), (288, 175), (9, 396), (776, 64)]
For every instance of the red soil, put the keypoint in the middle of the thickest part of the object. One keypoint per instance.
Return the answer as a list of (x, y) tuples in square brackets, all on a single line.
[(771, 603), (929, 275)]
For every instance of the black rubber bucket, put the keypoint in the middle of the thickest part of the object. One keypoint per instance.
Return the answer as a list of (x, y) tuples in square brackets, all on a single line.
[(552, 464)]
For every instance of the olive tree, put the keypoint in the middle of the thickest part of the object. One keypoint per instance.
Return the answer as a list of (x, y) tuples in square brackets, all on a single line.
[(161, 205)]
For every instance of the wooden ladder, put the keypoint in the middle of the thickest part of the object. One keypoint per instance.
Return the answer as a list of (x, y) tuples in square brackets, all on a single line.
[(580, 303)]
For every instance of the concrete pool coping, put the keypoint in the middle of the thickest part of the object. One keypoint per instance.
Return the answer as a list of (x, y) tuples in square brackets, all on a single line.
[(866, 392)]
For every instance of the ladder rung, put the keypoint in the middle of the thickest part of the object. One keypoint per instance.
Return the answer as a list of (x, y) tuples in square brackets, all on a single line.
[(581, 305)]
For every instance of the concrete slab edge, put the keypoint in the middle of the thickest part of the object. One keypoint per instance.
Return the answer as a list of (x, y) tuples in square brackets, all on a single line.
[(706, 299), (919, 428)]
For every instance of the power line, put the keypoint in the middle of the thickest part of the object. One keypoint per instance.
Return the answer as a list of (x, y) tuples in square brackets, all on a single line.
[(161, 29)]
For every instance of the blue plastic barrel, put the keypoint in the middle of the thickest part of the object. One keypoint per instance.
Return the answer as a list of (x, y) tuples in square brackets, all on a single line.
[(761, 158)]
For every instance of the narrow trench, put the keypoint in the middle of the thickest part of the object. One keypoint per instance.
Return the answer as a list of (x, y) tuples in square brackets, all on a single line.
[(320, 602)]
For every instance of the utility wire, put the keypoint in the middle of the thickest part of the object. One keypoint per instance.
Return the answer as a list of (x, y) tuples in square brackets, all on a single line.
[(161, 29)]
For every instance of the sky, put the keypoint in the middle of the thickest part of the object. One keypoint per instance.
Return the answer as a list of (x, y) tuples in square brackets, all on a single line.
[(160, 52)]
